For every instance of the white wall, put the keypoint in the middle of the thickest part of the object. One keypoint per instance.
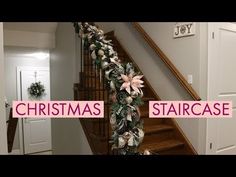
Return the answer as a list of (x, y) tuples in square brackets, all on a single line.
[(29, 39), (14, 57), (67, 134), (188, 55), (3, 131)]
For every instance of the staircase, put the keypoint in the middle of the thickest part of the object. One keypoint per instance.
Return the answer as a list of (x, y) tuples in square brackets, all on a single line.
[(162, 136)]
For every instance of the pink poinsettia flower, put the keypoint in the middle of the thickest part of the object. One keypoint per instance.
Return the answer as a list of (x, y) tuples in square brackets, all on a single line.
[(131, 82)]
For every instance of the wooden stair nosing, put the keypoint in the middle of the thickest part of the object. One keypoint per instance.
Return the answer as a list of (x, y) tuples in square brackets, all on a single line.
[(162, 146), (150, 129), (145, 99)]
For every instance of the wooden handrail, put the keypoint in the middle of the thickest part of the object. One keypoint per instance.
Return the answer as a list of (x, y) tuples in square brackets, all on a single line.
[(167, 61)]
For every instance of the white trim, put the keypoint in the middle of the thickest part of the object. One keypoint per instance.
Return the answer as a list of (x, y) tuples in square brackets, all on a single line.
[(211, 54), (42, 153), (3, 127), (213, 41), (208, 85), (18, 97), (15, 152)]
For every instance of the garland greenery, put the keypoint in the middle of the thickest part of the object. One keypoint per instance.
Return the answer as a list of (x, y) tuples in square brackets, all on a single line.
[(36, 90), (125, 89)]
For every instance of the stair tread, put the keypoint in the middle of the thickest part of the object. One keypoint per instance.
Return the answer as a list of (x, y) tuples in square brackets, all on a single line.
[(148, 98), (162, 146), (145, 114), (148, 129)]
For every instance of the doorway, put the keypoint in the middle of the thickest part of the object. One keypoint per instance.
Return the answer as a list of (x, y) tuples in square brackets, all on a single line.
[(221, 133), (24, 66), (35, 134)]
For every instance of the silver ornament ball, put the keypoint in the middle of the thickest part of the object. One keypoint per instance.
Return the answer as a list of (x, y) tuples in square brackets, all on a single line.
[(104, 65), (129, 99), (112, 85), (100, 52)]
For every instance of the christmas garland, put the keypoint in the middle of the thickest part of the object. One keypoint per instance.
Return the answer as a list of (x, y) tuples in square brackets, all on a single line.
[(125, 89), (36, 90)]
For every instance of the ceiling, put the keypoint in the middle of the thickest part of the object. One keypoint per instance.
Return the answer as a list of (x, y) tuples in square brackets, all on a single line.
[(44, 27)]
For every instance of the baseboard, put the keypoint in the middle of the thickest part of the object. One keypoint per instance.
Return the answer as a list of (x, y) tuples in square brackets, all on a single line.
[(15, 152)]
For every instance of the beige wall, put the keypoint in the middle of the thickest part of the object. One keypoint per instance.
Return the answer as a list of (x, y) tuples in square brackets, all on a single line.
[(14, 57), (67, 134), (3, 132), (189, 55), (29, 39)]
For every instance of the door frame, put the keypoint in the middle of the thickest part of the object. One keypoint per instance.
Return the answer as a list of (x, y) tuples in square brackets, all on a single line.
[(210, 56), (3, 125), (212, 53), (19, 97)]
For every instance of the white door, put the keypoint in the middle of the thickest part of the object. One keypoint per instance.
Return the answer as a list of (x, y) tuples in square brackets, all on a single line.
[(221, 133), (36, 132)]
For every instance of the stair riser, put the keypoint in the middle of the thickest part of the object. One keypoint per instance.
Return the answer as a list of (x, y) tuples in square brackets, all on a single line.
[(90, 83), (94, 95), (158, 137), (92, 74), (174, 151), (148, 121), (102, 148), (144, 107), (100, 130)]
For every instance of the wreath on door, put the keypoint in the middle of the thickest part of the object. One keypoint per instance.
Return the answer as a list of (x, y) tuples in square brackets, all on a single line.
[(36, 90)]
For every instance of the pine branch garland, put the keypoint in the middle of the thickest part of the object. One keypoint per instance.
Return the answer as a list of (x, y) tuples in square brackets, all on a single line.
[(125, 88)]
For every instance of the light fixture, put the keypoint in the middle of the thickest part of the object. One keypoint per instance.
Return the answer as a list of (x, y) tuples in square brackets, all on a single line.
[(39, 55)]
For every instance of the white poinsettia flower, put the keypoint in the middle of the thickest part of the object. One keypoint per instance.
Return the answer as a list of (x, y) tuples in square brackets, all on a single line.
[(101, 32), (131, 141), (127, 136), (140, 133), (121, 142), (131, 82), (89, 36), (129, 117), (101, 44), (146, 152), (115, 60), (93, 55), (107, 74), (112, 85), (107, 41), (111, 52), (110, 47), (113, 120)]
